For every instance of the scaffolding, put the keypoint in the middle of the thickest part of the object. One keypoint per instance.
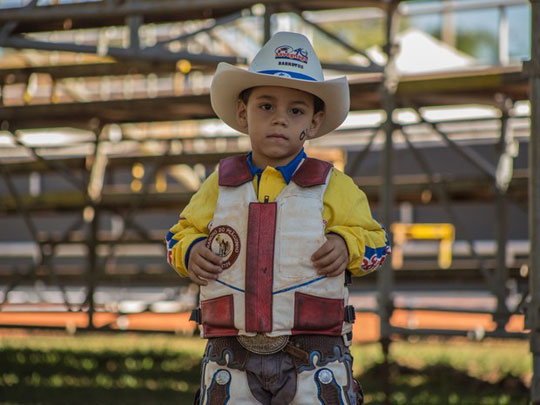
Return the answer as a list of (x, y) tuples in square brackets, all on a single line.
[(141, 92)]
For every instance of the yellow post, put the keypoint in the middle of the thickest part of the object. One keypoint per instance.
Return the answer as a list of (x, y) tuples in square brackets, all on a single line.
[(404, 232)]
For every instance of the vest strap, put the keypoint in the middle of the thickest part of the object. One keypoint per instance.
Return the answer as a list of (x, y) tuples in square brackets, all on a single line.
[(350, 314), (348, 278), (234, 171), (195, 315), (312, 172)]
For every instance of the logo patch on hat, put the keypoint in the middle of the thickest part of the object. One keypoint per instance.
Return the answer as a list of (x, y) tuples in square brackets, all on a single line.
[(224, 242), (288, 52)]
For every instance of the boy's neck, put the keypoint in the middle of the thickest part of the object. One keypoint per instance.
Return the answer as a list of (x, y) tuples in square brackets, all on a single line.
[(261, 163)]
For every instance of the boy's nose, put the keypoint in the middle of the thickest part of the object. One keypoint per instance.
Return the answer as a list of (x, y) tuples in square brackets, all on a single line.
[(280, 118)]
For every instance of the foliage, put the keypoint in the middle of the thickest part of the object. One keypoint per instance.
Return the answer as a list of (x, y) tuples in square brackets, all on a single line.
[(482, 45), (163, 369), (361, 36)]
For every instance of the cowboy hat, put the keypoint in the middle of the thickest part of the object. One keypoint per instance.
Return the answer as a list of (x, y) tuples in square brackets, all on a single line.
[(286, 60)]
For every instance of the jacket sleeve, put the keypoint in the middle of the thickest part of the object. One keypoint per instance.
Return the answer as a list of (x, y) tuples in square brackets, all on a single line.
[(192, 225), (347, 213)]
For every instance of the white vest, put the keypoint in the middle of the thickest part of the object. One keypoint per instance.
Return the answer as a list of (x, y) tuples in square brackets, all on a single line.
[(269, 284)]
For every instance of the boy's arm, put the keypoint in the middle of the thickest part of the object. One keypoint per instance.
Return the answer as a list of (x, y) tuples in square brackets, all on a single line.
[(347, 213), (192, 225)]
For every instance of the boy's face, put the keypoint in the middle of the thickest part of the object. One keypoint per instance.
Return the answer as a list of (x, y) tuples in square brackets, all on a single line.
[(278, 120)]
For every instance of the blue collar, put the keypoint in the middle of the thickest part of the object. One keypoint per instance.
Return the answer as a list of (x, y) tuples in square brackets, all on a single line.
[(287, 171)]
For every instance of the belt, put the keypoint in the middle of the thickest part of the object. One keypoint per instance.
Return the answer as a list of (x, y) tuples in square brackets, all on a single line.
[(262, 344)]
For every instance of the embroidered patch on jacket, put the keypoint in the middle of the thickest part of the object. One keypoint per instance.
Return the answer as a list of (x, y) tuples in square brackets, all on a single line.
[(224, 242)]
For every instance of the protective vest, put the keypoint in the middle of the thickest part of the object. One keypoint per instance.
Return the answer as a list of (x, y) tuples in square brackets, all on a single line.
[(269, 284)]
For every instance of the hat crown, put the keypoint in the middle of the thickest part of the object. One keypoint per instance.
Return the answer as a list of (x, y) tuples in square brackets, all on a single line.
[(289, 55)]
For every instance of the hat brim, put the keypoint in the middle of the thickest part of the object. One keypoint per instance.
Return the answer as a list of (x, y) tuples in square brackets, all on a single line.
[(229, 81)]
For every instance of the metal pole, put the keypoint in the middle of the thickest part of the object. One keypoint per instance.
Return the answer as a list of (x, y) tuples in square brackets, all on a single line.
[(267, 23), (466, 152), (147, 54), (502, 314), (89, 10), (336, 38), (357, 162), (91, 214), (442, 195), (385, 276), (504, 36), (134, 22), (388, 89), (533, 314), (92, 268), (448, 24)]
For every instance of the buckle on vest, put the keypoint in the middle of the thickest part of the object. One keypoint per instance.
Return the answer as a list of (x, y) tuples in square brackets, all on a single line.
[(262, 344), (195, 315), (348, 278), (350, 314)]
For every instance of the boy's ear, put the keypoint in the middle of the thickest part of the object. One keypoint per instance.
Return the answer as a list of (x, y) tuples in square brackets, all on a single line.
[(316, 122), (241, 113)]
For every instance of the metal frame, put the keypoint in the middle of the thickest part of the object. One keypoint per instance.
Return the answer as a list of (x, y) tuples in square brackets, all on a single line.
[(533, 309), (134, 22), (132, 13)]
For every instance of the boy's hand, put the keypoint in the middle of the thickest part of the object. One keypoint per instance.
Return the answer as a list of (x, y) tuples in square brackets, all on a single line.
[(332, 258), (203, 264)]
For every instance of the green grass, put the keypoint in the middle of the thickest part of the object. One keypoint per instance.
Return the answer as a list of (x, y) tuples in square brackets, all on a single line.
[(163, 369), (436, 371)]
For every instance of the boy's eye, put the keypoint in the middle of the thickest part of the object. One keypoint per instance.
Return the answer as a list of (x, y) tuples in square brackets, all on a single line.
[(266, 107), (297, 111)]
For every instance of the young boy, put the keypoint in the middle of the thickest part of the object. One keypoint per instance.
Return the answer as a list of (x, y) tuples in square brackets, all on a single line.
[(270, 235)]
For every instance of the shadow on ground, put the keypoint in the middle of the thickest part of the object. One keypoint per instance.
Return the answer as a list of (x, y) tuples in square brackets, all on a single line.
[(440, 384), (87, 377)]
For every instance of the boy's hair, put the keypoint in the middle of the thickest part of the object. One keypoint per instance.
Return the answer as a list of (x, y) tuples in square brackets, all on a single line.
[(318, 104)]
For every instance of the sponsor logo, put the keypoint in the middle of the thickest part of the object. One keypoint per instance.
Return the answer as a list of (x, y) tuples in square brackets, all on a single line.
[(285, 63), (224, 242), (288, 52), (376, 258)]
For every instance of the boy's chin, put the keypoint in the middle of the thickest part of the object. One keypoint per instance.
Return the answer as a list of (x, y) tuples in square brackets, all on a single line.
[(280, 155)]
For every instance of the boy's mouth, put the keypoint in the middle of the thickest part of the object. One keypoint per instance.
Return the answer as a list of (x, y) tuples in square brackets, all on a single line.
[(277, 136)]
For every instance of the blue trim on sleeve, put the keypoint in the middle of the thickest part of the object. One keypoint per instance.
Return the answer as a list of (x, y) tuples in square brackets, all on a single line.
[(170, 241), (375, 256), (186, 258)]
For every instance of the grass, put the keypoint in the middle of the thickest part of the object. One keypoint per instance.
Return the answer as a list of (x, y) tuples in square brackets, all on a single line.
[(436, 371), (163, 369)]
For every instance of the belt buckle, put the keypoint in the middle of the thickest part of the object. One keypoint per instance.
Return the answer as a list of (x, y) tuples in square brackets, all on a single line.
[(262, 344)]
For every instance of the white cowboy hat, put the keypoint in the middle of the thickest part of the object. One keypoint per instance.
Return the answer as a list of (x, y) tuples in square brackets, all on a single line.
[(286, 60)]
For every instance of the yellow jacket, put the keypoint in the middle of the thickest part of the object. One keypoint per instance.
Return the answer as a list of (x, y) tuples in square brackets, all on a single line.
[(346, 212)]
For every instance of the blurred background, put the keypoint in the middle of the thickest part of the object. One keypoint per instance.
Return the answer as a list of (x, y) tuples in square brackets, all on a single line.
[(106, 131)]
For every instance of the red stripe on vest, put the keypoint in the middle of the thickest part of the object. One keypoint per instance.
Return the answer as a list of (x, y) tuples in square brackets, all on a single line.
[(234, 171), (260, 266), (312, 172)]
